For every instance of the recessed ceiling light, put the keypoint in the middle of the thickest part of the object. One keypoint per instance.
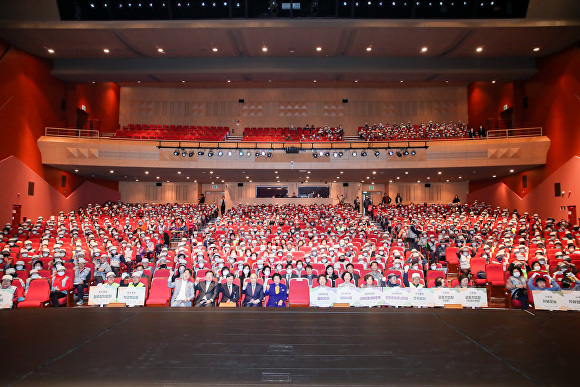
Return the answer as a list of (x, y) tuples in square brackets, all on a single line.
[(369, 48), (229, 81), (374, 172), (50, 51), (106, 50), (511, 171), (264, 49), (424, 49), (146, 172), (76, 170), (315, 81), (179, 172), (428, 178), (401, 81), (211, 172), (439, 172), (136, 179), (448, 180), (398, 178), (247, 177), (195, 181), (536, 49), (356, 81), (157, 177), (187, 177), (390, 181), (160, 50), (479, 49), (111, 171), (459, 177), (138, 81), (250, 181), (492, 81), (406, 172), (318, 48), (341, 172), (494, 176), (215, 49), (93, 82)]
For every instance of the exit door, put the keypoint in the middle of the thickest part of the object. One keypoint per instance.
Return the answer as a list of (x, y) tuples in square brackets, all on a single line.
[(572, 215)]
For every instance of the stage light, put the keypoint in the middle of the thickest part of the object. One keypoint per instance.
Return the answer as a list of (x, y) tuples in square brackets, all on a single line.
[(183, 153), (406, 152), (399, 154), (335, 154), (229, 153), (241, 153), (176, 152), (269, 154), (315, 155), (190, 154), (340, 154), (200, 153), (353, 153), (327, 154), (377, 153), (257, 154), (413, 152), (363, 154), (248, 154), (391, 152), (210, 153), (263, 153), (321, 153)]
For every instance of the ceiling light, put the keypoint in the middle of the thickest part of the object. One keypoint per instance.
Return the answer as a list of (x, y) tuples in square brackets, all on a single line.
[(511, 171), (494, 176), (264, 49), (406, 172), (424, 49), (76, 170), (428, 178), (179, 172), (248, 154), (401, 81), (399, 154), (183, 81), (146, 172), (439, 172), (327, 154), (183, 153), (492, 81), (391, 152), (229, 153), (363, 154), (106, 50), (160, 50), (535, 49), (369, 48), (315, 81), (479, 49), (190, 153), (257, 154), (318, 48), (210, 154), (200, 153), (111, 171), (356, 81), (459, 177), (187, 177), (215, 49), (211, 172), (50, 51), (413, 152), (335, 154), (447, 180), (240, 153), (229, 81)]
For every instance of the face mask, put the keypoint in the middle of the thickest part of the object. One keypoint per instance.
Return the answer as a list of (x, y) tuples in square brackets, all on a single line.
[(24, 255), (324, 260), (19, 267), (434, 267), (226, 272), (181, 269), (279, 267), (34, 276), (517, 274), (60, 273), (299, 267), (260, 266), (38, 267), (307, 260), (246, 271), (267, 273), (537, 268), (240, 267), (201, 265), (45, 254)]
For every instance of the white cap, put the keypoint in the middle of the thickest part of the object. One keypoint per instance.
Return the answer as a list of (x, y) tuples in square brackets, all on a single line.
[(82, 260), (6, 277), (110, 274)]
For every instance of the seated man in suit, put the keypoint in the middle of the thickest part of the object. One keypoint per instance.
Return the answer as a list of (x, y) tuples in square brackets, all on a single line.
[(184, 289), (207, 291), (309, 275), (254, 292), (230, 291)]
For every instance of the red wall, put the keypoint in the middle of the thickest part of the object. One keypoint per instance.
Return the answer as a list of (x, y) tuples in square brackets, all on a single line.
[(101, 101), (553, 104), (30, 100)]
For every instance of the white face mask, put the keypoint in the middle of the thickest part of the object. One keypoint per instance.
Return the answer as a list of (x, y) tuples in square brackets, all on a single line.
[(60, 273), (299, 267), (19, 267), (246, 271), (516, 274), (226, 272), (266, 273), (34, 276)]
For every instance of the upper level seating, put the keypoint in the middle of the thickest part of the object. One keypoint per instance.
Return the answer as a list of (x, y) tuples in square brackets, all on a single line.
[(324, 133), (402, 132), (173, 132)]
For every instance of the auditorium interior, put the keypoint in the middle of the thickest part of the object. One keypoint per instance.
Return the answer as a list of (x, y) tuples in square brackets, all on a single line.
[(389, 188)]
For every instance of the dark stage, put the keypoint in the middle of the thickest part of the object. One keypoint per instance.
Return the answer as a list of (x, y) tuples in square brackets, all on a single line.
[(381, 346)]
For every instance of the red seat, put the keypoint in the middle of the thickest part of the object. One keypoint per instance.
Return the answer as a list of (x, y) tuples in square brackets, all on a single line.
[(477, 265), (38, 295), (494, 274), (160, 293), (299, 292)]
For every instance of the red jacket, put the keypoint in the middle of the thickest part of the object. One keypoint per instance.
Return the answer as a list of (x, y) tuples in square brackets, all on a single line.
[(62, 283)]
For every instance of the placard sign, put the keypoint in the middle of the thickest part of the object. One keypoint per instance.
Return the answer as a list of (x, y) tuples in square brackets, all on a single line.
[(444, 296), (548, 300), (422, 297), (322, 296), (6, 298), (132, 296), (346, 295), (396, 297), (472, 297), (370, 297), (571, 299), (102, 295)]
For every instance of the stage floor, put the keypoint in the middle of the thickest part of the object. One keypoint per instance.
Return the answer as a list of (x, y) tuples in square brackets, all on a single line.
[(380, 346)]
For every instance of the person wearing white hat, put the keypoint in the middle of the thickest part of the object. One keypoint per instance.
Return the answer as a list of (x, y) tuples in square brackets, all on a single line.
[(60, 284), (81, 280), (416, 281), (109, 281), (8, 287)]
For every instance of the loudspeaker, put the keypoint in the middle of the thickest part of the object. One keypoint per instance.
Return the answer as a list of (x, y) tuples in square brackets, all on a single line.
[(241, 100), (30, 188), (557, 189), (63, 181), (525, 102), (63, 105), (292, 149), (240, 184), (158, 184), (427, 185), (345, 100), (525, 181), (345, 184)]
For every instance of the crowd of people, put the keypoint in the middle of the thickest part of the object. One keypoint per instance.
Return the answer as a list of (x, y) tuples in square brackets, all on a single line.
[(295, 134), (250, 255), (430, 131)]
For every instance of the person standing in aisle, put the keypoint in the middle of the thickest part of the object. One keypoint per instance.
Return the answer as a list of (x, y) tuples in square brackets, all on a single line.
[(223, 205)]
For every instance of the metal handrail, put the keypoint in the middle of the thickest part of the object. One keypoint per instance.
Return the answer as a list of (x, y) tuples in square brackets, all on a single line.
[(515, 133), (67, 132)]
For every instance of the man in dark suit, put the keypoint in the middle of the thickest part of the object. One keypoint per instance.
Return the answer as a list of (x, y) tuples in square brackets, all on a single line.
[(350, 269), (290, 274), (230, 291), (309, 275), (254, 292), (207, 291), (223, 205)]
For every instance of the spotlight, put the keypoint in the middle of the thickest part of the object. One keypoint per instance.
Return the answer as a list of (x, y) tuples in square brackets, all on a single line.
[(229, 153), (241, 153), (327, 154), (200, 153), (321, 153), (353, 153), (220, 153), (263, 153), (399, 154), (248, 154), (183, 153), (210, 153), (391, 152), (413, 153), (340, 154), (190, 153), (269, 154), (315, 155), (335, 154), (363, 153), (257, 154), (377, 153), (406, 152)]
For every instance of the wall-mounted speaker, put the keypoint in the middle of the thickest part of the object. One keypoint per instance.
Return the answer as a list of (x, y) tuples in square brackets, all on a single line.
[(63, 181), (345, 100), (427, 185), (241, 100), (557, 189), (525, 102), (525, 181), (240, 184), (63, 104), (158, 184), (30, 188), (345, 184)]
